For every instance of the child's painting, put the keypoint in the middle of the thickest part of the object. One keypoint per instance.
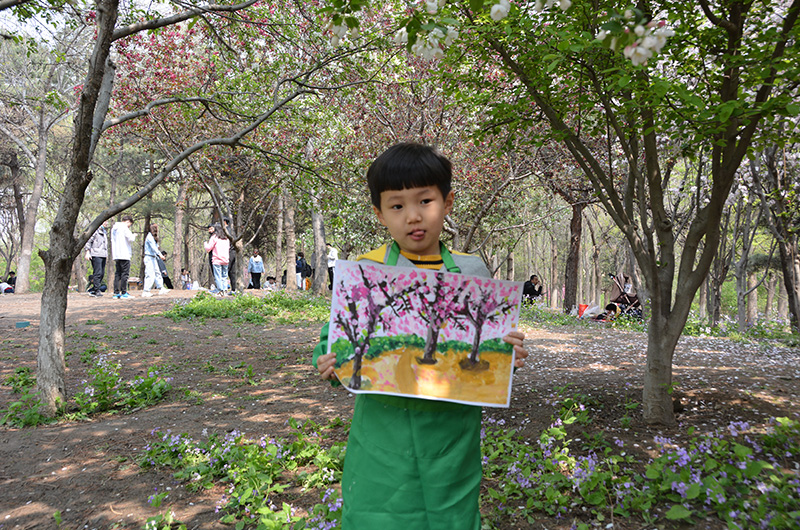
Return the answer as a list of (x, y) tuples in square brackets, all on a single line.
[(421, 333)]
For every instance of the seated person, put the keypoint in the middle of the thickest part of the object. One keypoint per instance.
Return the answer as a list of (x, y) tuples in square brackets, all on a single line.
[(532, 289), (611, 312), (11, 282)]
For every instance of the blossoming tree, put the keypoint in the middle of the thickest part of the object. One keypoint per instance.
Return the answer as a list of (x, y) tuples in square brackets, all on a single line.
[(437, 303), (368, 307), (484, 305)]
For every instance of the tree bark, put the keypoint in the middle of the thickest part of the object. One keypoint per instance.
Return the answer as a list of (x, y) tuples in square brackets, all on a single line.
[(510, 267), (752, 298), (31, 211), (320, 283), (279, 262), (291, 251), (179, 229), (770, 302)]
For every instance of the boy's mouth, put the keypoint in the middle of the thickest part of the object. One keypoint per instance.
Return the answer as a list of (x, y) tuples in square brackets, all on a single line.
[(417, 235)]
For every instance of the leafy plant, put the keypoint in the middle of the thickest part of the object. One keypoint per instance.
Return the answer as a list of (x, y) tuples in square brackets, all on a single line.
[(21, 380)]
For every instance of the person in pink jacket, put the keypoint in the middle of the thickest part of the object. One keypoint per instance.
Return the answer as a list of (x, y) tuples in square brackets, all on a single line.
[(220, 247)]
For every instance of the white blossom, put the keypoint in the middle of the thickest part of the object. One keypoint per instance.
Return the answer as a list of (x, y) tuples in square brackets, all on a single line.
[(639, 30), (637, 54), (500, 10), (564, 4), (452, 35), (431, 6), (401, 37)]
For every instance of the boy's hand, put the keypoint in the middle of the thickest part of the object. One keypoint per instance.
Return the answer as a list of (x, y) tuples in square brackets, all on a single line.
[(515, 338), (325, 366)]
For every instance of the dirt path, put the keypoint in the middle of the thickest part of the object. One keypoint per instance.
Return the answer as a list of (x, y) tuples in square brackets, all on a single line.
[(87, 470)]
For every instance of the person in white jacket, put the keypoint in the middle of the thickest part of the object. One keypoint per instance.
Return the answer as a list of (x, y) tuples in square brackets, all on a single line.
[(121, 240)]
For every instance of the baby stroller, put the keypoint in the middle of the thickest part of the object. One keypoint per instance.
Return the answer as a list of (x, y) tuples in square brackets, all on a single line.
[(624, 302)]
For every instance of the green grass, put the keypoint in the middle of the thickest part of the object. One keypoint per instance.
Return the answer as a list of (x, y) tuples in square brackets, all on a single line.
[(247, 308)]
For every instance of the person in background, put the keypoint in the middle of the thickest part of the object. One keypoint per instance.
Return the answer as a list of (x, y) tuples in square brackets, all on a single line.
[(152, 272), (186, 280), (97, 254), (11, 282), (300, 265), (256, 268), (219, 247), (532, 289), (162, 266), (121, 240), (333, 255)]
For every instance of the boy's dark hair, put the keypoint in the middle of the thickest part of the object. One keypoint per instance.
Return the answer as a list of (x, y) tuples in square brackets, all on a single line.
[(408, 165), (127, 217)]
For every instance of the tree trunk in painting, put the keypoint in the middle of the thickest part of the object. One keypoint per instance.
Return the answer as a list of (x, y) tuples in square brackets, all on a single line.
[(431, 340), (355, 380)]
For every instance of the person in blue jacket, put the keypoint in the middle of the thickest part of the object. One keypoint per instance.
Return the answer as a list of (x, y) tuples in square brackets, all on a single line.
[(412, 463)]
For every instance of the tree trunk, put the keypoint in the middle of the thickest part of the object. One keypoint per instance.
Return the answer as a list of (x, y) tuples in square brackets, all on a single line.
[(431, 340), (291, 251), (790, 263), (510, 267), (752, 298), (279, 262), (51, 366), (81, 272), (553, 274), (657, 394), (771, 283), (355, 379), (177, 245), (31, 212), (783, 302), (702, 300), (573, 259), (474, 355), (320, 283)]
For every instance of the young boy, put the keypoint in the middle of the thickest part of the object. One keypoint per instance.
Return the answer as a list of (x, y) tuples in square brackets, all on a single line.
[(412, 463)]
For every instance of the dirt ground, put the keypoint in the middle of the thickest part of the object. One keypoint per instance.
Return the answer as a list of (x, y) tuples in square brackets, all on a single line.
[(87, 470)]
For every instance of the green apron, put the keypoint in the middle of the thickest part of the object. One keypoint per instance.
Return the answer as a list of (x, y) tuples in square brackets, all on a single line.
[(411, 464)]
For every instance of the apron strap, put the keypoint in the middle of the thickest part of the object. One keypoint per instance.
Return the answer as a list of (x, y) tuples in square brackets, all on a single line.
[(447, 259)]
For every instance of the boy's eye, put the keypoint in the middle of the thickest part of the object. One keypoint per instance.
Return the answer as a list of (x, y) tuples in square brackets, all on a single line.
[(395, 207), (426, 201)]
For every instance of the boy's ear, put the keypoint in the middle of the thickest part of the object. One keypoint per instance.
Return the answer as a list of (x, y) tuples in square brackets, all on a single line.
[(379, 214), (448, 202)]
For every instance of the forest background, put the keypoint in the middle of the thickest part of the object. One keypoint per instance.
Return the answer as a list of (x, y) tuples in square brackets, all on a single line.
[(680, 162)]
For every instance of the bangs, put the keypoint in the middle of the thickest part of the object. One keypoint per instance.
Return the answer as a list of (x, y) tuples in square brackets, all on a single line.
[(408, 165)]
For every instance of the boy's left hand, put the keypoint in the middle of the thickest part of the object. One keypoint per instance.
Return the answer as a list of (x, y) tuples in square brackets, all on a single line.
[(515, 338)]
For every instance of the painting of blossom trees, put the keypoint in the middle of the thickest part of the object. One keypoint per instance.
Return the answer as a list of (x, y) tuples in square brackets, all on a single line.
[(424, 334)]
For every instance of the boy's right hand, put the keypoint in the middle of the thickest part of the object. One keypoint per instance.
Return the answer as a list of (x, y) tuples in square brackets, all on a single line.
[(325, 364)]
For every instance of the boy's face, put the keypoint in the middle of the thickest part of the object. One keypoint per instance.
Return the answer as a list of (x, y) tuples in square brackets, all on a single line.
[(415, 217)]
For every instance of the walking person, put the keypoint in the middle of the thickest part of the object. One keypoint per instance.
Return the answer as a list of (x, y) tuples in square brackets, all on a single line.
[(255, 267), (121, 240), (97, 253), (219, 247), (152, 272)]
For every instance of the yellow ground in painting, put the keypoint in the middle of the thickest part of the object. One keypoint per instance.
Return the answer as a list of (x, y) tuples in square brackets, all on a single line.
[(399, 372)]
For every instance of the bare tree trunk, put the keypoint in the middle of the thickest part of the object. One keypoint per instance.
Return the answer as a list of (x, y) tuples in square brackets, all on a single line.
[(81, 271), (783, 302), (702, 300), (31, 211), (573, 256), (179, 229), (291, 250), (771, 283), (752, 298), (320, 283), (553, 274), (510, 266), (279, 261)]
